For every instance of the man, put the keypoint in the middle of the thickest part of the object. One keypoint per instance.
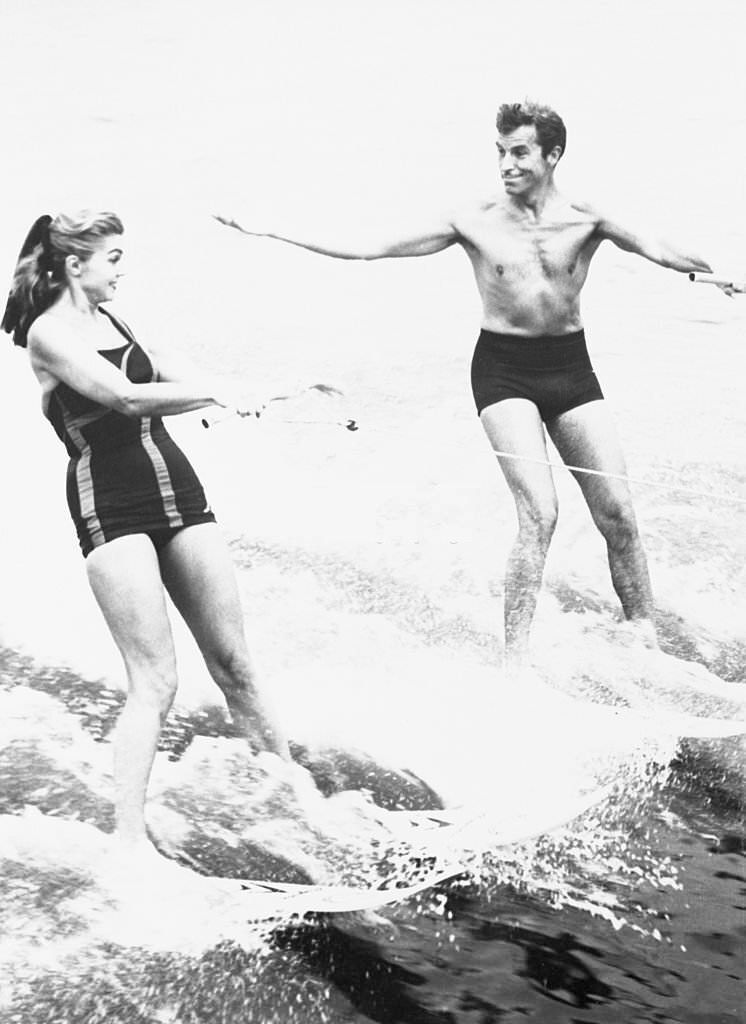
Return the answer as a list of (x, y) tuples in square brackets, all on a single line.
[(530, 248)]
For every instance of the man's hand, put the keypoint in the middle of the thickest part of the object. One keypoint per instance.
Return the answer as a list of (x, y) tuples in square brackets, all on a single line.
[(325, 389), (733, 288), (726, 285), (300, 389), (229, 222)]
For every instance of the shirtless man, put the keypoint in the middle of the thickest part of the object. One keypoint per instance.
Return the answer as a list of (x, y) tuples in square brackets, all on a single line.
[(531, 248)]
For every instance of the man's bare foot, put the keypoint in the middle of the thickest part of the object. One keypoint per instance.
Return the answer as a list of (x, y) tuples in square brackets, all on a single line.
[(643, 632), (519, 669)]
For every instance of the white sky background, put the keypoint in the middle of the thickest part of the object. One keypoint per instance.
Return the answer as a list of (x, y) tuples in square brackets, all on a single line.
[(342, 115), (174, 107)]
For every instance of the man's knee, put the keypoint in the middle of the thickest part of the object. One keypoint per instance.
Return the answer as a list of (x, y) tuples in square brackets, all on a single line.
[(618, 524), (537, 522)]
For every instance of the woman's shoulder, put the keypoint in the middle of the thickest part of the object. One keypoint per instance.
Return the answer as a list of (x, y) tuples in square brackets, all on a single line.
[(48, 329)]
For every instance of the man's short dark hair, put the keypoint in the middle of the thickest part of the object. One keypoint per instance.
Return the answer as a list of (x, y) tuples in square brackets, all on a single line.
[(550, 128)]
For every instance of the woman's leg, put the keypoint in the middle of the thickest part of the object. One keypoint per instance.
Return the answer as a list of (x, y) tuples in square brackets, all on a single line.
[(198, 571), (125, 577)]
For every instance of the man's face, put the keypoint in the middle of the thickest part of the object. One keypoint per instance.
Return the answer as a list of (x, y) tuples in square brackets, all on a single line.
[(522, 164)]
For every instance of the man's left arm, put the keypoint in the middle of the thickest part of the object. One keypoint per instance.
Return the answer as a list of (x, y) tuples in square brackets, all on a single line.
[(657, 250)]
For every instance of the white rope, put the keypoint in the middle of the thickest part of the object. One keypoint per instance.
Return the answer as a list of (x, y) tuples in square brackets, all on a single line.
[(352, 425), (621, 476)]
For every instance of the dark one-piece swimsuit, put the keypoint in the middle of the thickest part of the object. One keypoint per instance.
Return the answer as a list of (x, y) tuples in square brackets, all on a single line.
[(126, 474)]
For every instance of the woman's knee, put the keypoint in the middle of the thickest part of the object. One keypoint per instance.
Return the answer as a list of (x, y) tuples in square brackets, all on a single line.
[(231, 666), (153, 683)]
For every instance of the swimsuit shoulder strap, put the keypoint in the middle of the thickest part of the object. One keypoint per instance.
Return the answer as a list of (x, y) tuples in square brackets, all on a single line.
[(120, 325), (126, 331)]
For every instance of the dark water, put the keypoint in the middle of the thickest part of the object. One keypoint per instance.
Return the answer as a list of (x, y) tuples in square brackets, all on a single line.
[(511, 959)]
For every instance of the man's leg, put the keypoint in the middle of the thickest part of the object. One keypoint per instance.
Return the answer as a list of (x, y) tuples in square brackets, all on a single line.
[(514, 425), (199, 575), (586, 436), (125, 578)]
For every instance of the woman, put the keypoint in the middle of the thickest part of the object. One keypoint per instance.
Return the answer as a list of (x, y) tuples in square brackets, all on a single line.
[(140, 512)]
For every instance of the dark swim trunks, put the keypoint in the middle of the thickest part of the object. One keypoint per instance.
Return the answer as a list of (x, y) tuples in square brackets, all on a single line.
[(552, 371), (126, 475)]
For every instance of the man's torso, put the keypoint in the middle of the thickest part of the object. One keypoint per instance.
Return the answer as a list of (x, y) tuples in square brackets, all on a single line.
[(529, 272)]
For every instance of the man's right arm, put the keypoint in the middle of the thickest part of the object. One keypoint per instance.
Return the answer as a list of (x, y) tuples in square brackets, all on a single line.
[(427, 240)]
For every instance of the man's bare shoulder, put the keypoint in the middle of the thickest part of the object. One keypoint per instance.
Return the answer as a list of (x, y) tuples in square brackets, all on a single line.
[(477, 210), (587, 208)]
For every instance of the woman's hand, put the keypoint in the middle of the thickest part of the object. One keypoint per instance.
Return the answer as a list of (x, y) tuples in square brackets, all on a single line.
[(239, 401)]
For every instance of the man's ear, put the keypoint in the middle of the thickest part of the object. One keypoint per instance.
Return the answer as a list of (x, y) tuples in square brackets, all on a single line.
[(553, 156)]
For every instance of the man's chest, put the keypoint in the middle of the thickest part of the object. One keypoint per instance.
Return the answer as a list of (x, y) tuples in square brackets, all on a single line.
[(550, 250)]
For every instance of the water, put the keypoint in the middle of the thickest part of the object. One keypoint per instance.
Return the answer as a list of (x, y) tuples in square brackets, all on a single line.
[(370, 563)]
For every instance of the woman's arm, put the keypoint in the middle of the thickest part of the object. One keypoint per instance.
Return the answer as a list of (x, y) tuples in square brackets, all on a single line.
[(57, 351), (176, 368)]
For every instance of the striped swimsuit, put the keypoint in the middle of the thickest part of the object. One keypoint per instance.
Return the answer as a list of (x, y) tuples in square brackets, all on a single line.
[(126, 475)]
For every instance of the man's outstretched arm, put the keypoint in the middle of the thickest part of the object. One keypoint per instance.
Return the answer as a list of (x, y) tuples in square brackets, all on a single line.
[(423, 242), (657, 250)]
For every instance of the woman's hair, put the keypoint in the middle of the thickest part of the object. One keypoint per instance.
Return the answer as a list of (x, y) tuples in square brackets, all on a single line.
[(40, 272)]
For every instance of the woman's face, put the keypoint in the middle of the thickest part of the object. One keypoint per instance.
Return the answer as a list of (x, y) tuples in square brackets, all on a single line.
[(100, 273)]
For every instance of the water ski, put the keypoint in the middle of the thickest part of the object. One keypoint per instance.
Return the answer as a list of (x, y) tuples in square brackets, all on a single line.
[(267, 900), (428, 835), (504, 828)]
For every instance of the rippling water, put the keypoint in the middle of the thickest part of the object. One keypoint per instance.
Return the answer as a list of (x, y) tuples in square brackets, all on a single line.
[(370, 562)]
